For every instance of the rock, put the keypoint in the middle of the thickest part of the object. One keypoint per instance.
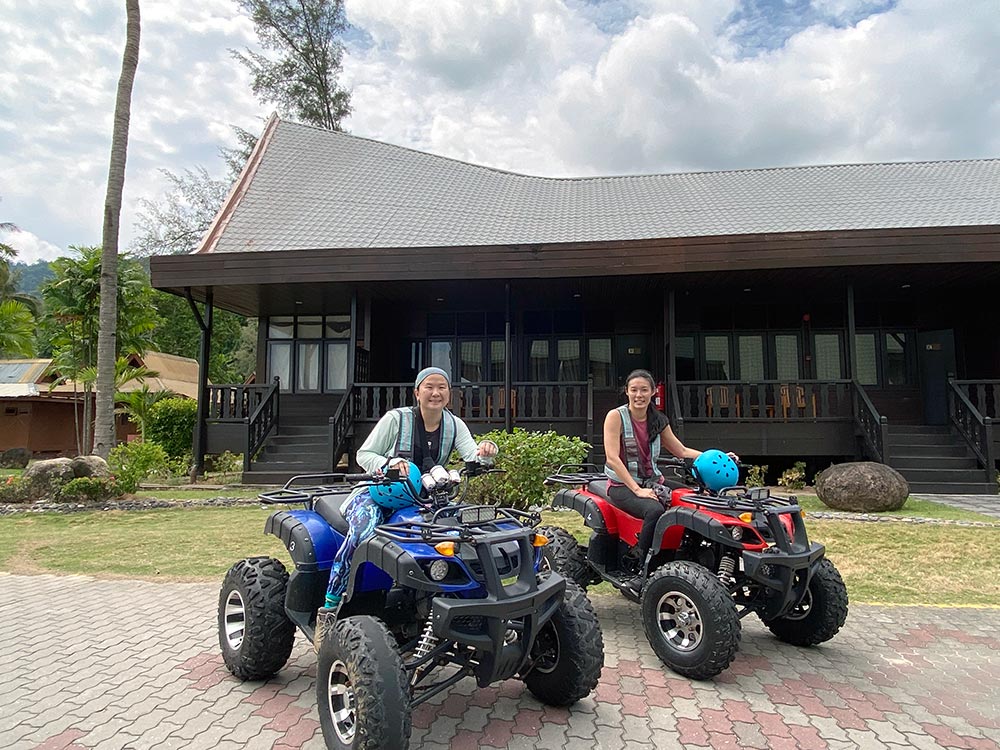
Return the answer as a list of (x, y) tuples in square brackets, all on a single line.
[(862, 487), (91, 466), (45, 477), (14, 458)]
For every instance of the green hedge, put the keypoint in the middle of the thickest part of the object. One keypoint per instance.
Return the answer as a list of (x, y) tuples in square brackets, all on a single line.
[(171, 424), (527, 457)]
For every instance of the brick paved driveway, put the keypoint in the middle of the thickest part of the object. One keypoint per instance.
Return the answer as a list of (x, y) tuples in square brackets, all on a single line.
[(116, 664)]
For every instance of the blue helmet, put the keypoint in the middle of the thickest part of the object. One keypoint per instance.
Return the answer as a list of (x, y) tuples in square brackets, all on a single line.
[(398, 494), (715, 470)]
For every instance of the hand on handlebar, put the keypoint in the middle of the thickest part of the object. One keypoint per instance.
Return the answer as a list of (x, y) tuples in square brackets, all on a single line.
[(733, 456)]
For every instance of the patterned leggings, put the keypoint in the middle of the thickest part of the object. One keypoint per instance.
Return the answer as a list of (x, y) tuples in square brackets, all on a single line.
[(363, 514)]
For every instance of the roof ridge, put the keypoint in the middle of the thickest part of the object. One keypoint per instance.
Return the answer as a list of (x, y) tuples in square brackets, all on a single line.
[(594, 178)]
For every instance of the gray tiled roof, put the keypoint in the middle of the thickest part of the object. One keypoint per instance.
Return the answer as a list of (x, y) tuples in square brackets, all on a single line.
[(320, 189)]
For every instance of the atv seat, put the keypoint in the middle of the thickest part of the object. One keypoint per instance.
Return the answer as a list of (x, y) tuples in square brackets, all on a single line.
[(599, 487), (329, 507)]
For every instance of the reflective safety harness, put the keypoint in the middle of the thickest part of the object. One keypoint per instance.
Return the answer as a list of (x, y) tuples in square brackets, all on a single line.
[(631, 457), (404, 442)]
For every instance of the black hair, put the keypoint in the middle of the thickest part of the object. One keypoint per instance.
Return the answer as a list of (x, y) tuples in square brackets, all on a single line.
[(644, 374)]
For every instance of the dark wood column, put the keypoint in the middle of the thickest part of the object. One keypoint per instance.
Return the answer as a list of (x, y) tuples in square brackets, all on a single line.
[(852, 368), (507, 363), (352, 350), (204, 356), (670, 328)]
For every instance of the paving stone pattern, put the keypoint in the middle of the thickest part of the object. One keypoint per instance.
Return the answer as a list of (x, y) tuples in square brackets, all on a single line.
[(127, 664)]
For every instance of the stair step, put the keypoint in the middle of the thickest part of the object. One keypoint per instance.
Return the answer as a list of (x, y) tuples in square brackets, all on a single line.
[(919, 429), (913, 451), (935, 488), (303, 429), (284, 453), (933, 462), (943, 476), (922, 439), (317, 439)]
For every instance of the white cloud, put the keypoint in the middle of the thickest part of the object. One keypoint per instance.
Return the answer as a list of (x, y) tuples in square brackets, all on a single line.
[(29, 247), (558, 87)]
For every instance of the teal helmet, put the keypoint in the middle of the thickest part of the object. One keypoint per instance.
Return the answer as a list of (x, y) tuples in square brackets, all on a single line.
[(716, 470), (397, 494)]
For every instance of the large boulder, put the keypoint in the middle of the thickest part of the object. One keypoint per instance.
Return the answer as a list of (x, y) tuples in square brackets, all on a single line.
[(14, 458), (91, 466), (44, 478), (862, 487)]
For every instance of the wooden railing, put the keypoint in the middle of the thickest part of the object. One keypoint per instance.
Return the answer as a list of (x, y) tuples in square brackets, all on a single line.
[(764, 401), (874, 428), (362, 365), (235, 403), (261, 422), (341, 423), (973, 426), (487, 402), (984, 395)]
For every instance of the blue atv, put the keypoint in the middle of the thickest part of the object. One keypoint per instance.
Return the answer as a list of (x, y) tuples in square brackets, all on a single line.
[(443, 590)]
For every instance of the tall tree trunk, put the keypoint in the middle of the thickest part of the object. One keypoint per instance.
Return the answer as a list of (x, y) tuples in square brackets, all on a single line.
[(104, 430)]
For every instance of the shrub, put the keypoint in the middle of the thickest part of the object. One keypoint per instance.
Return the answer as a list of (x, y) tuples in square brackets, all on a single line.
[(171, 424), (228, 464), (89, 490), (14, 490), (756, 476), (795, 477), (527, 457), (133, 462)]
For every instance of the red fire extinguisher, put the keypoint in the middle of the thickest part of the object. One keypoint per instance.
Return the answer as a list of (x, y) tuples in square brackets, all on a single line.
[(660, 401)]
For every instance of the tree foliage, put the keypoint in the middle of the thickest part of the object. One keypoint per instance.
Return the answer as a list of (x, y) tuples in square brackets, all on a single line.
[(176, 224), (17, 329), (301, 80)]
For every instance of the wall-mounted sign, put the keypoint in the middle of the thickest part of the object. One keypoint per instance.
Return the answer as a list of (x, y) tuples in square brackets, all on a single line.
[(635, 350)]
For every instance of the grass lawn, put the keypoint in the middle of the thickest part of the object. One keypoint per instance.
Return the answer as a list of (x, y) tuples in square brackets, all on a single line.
[(199, 494), (897, 563), (11, 472)]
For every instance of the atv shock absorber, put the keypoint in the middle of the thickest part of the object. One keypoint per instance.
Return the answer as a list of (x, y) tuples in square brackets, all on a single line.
[(727, 564), (427, 642)]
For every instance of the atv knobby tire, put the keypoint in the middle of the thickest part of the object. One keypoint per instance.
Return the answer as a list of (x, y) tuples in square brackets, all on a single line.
[(569, 650), (255, 634), (690, 620), (362, 692), (823, 612), (565, 556)]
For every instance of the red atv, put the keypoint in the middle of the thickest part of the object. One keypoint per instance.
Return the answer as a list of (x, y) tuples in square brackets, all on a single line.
[(720, 557)]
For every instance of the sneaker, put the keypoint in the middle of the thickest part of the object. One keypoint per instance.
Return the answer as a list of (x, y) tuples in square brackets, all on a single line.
[(326, 617), (633, 586), (632, 561)]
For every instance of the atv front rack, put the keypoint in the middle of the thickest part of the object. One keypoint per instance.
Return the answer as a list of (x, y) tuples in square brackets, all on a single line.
[(473, 529)]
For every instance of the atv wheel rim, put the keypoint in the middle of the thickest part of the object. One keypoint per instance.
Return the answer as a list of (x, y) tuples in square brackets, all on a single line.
[(340, 701), (235, 620), (801, 610), (547, 644), (680, 621)]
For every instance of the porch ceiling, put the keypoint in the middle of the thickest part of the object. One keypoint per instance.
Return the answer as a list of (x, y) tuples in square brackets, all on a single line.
[(327, 297)]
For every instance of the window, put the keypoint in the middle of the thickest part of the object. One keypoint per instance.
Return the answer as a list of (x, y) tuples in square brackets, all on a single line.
[(686, 363), (309, 353), (751, 350), (470, 361), (568, 366), (896, 359), (441, 356), (336, 366), (717, 358), (308, 367), (827, 356), (538, 360), (600, 363), (787, 360), (866, 358), (497, 360), (279, 363)]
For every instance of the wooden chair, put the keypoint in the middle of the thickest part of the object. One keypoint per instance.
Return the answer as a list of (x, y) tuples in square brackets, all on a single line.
[(800, 401), (717, 397)]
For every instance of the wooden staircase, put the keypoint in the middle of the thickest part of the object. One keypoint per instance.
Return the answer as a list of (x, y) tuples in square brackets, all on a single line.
[(935, 460), (302, 446)]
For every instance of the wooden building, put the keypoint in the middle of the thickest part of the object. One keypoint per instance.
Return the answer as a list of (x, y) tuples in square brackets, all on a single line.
[(797, 313)]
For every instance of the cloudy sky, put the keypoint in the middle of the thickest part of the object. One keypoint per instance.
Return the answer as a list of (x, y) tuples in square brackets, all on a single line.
[(545, 87)]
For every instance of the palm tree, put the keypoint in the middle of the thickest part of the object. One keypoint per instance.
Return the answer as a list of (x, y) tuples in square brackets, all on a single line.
[(104, 428), (8, 278), (138, 405), (17, 329)]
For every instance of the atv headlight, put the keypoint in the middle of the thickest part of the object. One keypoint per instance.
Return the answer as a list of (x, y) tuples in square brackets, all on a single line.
[(439, 570), (736, 532)]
